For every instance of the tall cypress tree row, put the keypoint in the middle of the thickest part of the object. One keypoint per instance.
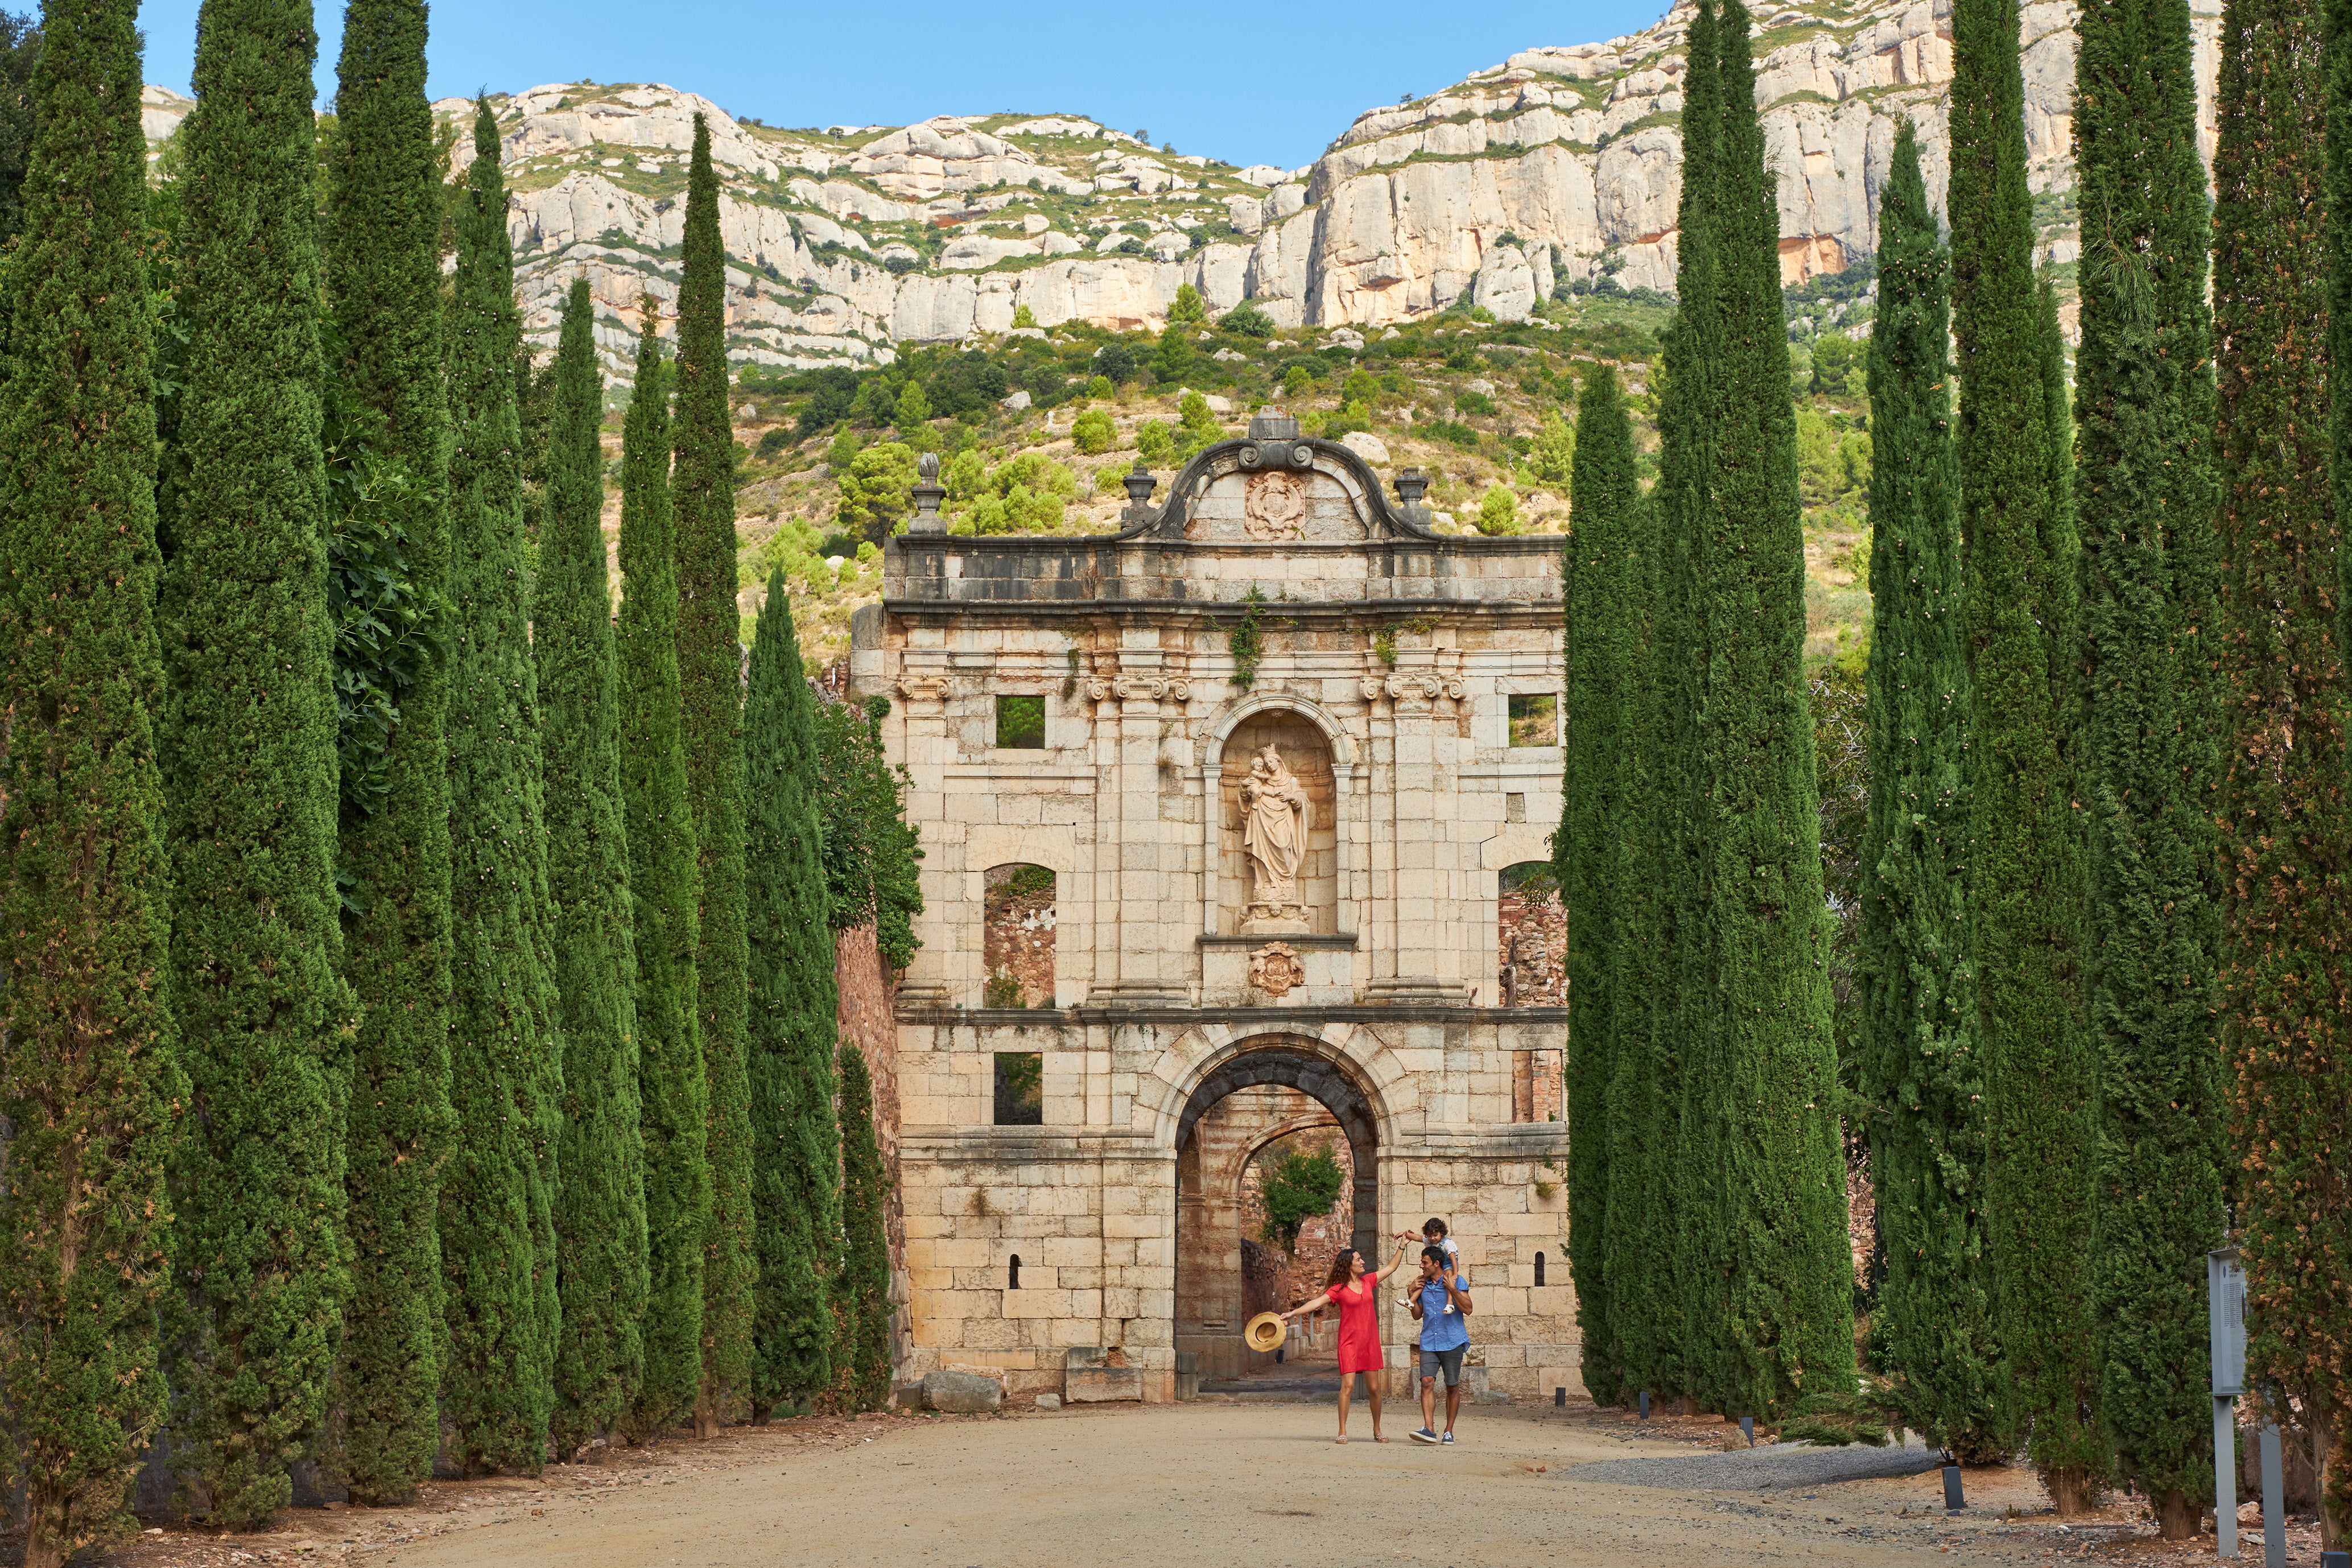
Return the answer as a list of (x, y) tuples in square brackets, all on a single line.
[(863, 1294), (600, 1211), (663, 883), (87, 1084), (1649, 1253), (710, 685), (794, 1014), (2283, 309), (498, 1197), (2144, 511), (1772, 1298), (1606, 605), (1923, 1072), (384, 276), (249, 758), (2026, 871)]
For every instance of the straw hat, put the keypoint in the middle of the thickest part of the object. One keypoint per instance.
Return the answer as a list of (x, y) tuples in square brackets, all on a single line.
[(1265, 1331)]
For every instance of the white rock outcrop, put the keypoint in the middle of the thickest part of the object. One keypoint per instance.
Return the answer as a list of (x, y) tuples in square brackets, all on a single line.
[(1542, 172)]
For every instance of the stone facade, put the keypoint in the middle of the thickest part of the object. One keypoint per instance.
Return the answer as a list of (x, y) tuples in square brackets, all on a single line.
[(1276, 596)]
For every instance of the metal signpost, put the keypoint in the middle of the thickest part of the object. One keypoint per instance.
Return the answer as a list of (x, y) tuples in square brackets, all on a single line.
[(2225, 1297)]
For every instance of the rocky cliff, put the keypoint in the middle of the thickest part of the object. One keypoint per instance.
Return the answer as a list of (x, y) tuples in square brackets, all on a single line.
[(1561, 164)]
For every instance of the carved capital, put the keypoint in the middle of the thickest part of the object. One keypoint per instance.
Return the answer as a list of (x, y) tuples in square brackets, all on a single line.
[(1140, 689), (923, 688)]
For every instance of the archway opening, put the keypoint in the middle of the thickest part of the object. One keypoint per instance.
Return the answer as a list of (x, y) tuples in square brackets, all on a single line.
[(1277, 1102)]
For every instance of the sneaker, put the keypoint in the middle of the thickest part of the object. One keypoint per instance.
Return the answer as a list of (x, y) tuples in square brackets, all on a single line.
[(1423, 1434), (1447, 1438)]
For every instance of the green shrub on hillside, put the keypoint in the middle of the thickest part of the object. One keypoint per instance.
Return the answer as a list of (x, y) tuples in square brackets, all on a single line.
[(1247, 321), (1100, 386), (1094, 432), (876, 489), (1499, 510), (1552, 455)]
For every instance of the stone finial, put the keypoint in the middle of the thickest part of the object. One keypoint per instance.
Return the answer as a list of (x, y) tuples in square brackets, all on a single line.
[(1410, 484), (928, 494), (1140, 485)]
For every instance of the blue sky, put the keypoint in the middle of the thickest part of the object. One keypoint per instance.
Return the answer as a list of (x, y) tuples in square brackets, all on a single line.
[(1254, 83)]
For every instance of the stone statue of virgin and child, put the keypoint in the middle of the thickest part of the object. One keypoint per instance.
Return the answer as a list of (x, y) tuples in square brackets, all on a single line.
[(1275, 820)]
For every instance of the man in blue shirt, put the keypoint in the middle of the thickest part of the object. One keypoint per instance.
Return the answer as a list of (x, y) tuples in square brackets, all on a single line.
[(1441, 1303)]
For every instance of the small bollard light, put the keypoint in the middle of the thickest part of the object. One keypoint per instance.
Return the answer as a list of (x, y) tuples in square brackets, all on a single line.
[(1559, 1397), (1747, 1429), (1646, 1405), (1952, 1498)]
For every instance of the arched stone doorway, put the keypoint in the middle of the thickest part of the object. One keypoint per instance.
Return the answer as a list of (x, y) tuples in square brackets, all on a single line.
[(1270, 1091)]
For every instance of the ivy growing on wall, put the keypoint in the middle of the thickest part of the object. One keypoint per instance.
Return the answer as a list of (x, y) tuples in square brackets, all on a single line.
[(1244, 641)]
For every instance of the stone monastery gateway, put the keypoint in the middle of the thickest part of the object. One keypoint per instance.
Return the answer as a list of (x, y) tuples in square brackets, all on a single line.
[(1183, 912)]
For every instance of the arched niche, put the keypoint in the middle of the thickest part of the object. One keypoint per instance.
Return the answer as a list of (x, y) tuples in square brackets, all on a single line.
[(1314, 747)]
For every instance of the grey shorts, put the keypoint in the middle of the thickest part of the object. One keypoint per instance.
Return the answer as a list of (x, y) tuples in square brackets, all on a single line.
[(1448, 1361)]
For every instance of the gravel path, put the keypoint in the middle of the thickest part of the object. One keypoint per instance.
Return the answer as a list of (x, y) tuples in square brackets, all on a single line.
[(1776, 1468)]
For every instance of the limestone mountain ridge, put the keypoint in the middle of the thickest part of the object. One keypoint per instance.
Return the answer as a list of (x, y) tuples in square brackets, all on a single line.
[(1560, 164)]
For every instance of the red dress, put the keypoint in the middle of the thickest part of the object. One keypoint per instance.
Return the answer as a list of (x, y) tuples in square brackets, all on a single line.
[(1359, 1329)]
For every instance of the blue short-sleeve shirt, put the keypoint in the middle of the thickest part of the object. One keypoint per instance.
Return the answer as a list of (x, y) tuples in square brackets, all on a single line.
[(1441, 1330)]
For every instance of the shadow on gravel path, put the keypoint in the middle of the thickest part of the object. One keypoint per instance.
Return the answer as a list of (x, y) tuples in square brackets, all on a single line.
[(1776, 1468)]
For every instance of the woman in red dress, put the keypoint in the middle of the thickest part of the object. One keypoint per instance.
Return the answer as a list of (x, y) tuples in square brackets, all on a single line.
[(1354, 1289)]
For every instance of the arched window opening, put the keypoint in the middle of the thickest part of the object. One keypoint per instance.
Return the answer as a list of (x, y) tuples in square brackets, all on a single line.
[(1012, 1273), (1539, 1279)]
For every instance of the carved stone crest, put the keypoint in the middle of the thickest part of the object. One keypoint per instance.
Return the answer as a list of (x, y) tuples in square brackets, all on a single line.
[(1274, 969), (1274, 506)]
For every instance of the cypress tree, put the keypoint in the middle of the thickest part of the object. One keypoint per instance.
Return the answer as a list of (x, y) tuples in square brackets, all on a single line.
[(498, 1241), (250, 778), (1605, 601), (794, 1012), (600, 1214), (89, 1087), (2144, 511), (864, 1294), (710, 686), (2026, 864), (2281, 283), (384, 276), (663, 882), (1649, 1179), (1772, 1298), (1923, 1072)]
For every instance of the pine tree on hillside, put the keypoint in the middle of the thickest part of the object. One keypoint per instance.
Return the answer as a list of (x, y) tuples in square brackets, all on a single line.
[(2148, 759), (249, 771), (1772, 1300), (600, 1213), (1923, 1071), (1650, 1179), (384, 276), (862, 1295), (710, 684), (673, 1103), (497, 1194), (2026, 867), (2282, 280), (1606, 608), (794, 1011), (88, 1085)]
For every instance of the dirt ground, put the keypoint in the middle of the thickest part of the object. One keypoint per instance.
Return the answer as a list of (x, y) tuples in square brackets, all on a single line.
[(1183, 1485)]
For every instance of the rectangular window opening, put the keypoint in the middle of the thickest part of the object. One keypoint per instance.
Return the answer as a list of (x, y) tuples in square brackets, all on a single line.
[(1021, 722), (1536, 1091), (1019, 1089), (1535, 718)]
